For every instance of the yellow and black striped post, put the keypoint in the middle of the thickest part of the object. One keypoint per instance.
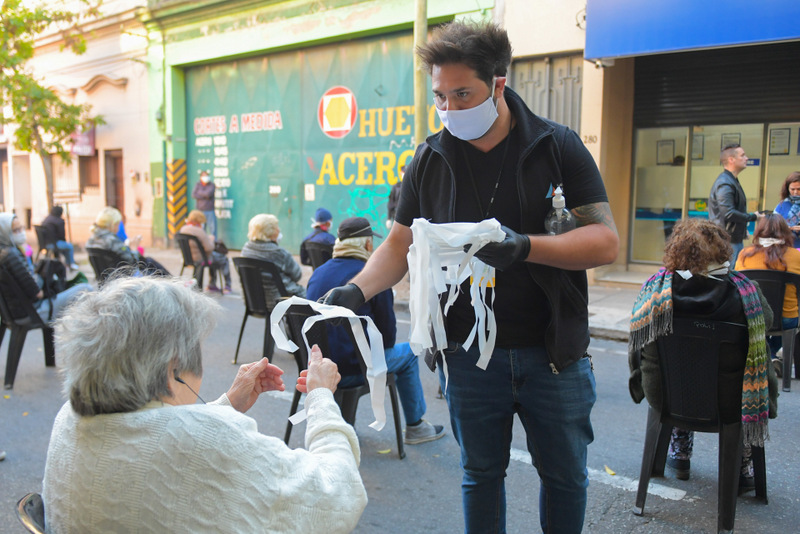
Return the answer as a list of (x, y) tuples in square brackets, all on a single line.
[(177, 204)]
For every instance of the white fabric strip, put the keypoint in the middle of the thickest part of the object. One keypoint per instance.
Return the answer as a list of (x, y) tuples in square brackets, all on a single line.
[(436, 260), (372, 353)]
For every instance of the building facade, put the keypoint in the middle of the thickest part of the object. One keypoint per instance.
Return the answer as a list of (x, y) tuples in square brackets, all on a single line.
[(293, 105), (110, 165)]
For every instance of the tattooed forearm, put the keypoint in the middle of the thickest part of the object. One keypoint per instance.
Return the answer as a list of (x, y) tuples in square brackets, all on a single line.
[(597, 213)]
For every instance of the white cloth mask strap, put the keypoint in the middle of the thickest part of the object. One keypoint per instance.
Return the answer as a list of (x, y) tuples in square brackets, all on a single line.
[(372, 353), (436, 260)]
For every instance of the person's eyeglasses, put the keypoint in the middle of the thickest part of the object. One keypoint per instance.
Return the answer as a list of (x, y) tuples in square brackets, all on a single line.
[(179, 379)]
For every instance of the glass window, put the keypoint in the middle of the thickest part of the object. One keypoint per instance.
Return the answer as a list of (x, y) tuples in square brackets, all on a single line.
[(783, 158), (659, 177), (89, 172)]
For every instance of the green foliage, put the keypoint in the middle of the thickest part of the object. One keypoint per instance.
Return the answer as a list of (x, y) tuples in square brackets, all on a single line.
[(43, 121)]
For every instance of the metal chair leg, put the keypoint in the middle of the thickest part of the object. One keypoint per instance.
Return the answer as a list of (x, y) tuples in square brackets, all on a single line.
[(396, 414), (241, 331)]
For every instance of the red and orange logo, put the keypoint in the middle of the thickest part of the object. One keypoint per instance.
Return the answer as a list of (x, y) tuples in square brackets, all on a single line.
[(337, 112)]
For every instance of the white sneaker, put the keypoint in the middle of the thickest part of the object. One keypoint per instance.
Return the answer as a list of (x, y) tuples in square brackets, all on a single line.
[(74, 267), (422, 433)]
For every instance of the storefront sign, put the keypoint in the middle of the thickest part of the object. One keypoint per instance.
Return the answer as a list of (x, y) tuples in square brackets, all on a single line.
[(83, 143)]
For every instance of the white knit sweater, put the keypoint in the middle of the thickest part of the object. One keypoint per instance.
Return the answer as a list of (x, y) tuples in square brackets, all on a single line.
[(201, 469)]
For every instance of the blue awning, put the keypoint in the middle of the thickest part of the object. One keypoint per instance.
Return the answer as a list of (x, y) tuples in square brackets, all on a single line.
[(626, 28)]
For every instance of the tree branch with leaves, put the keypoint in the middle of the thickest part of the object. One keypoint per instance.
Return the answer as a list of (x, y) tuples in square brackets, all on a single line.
[(44, 124)]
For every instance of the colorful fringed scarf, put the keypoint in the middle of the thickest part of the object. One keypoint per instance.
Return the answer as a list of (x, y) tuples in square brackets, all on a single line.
[(652, 317)]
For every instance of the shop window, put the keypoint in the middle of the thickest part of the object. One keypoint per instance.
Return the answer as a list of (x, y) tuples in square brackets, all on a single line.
[(89, 171)]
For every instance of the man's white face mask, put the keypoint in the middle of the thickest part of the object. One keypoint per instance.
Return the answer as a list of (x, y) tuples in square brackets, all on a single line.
[(472, 123)]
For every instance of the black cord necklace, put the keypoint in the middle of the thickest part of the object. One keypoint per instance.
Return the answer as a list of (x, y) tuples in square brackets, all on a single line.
[(507, 142)]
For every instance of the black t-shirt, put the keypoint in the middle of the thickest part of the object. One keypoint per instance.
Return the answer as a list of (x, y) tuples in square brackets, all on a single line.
[(521, 321), (521, 308)]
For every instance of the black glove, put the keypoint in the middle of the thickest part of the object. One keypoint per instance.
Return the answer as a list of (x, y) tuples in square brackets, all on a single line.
[(515, 247), (349, 296)]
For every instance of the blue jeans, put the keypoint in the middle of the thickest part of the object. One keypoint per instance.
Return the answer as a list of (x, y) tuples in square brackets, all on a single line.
[(67, 250), (211, 223), (554, 410), (60, 301), (401, 361), (775, 342), (737, 248)]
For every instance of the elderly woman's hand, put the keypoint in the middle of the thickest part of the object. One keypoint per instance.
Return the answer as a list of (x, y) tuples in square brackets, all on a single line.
[(321, 373), (252, 380)]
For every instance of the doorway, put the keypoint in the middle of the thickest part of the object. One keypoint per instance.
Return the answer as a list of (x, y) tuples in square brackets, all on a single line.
[(115, 183)]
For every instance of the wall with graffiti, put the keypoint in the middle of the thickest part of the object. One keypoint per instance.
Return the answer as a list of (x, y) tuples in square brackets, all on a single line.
[(289, 132)]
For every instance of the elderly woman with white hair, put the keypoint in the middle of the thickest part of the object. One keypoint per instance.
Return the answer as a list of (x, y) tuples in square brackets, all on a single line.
[(104, 235), (263, 234), (48, 306), (131, 451)]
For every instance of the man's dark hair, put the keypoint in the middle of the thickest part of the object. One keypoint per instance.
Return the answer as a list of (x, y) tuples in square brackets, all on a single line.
[(728, 151), (482, 46), (57, 211)]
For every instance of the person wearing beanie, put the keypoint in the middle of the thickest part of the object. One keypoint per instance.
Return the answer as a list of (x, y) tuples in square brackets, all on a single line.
[(321, 225), (350, 254)]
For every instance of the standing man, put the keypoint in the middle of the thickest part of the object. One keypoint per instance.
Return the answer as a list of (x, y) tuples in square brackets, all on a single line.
[(350, 253), (203, 193), (727, 203), (323, 219), (494, 158)]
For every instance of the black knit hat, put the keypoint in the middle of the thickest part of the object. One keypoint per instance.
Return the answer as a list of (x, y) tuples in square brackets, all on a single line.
[(355, 227)]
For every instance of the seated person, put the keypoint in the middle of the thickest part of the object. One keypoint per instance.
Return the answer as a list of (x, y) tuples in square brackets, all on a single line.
[(104, 235), (321, 225), (263, 234), (55, 226), (350, 254), (130, 449), (696, 282), (49, 307), (123, 236), (194, 226), (773, 249)]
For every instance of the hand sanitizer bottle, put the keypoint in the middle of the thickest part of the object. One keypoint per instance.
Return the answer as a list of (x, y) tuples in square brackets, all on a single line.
[(559, 220)]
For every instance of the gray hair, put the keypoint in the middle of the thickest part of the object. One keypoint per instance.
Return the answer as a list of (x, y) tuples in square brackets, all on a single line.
[(117, 344)]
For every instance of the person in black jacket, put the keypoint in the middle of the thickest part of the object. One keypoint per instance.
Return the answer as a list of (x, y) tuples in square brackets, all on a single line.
[(727, 202), (496, 159), (49, 307), (55, 226)]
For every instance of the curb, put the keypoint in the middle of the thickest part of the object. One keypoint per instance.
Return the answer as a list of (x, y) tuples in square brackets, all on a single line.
[(597, 332)]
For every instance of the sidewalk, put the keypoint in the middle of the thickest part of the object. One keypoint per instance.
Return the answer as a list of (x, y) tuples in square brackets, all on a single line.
[(609, 307)]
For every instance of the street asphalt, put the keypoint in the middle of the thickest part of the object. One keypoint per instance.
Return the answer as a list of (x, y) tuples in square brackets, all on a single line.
[(421, 493)]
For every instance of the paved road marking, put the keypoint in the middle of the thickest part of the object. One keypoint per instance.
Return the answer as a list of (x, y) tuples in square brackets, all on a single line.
[(617, 481), (596, 475)]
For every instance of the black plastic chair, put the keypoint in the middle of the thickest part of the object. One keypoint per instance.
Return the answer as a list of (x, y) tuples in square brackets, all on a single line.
[(46, 242), (263, 288), (319, 253), (346, 397), (184, 243), (30, 511), (104, 262), (773, 285), (20, 327), (690, 377)]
